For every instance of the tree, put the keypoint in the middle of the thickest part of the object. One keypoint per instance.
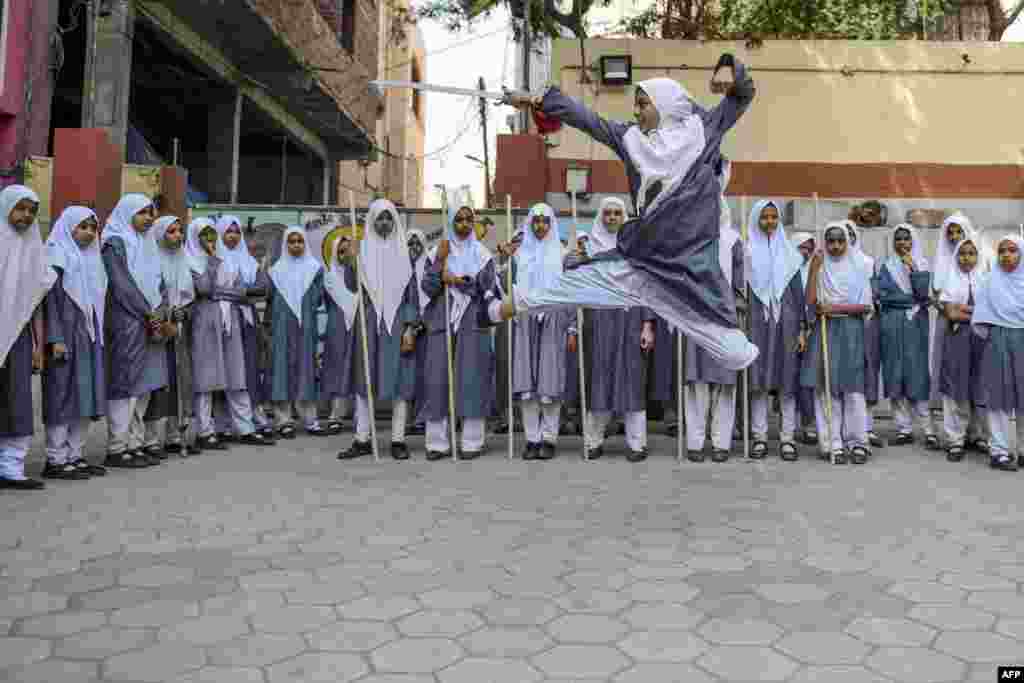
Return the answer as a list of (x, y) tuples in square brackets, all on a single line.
[(546, 16)]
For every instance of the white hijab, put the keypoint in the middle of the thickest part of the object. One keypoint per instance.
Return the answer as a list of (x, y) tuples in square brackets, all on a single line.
[(843, 279), (384, 264), (945, 262), (176, 266), (25, 275), (140, 248), (899, 271), (601, 238), (465, 257), (1000, 299), (867, 262), (237, 261), (334, 285), (293, 276), (539, 261), (85, 278), (796, 239), (774, 260), (198, 258), (960, 285), (420, 267), (666, 153)]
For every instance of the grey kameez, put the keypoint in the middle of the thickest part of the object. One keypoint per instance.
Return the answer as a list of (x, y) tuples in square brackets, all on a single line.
[(16, 417), (218, 359), (904, 343), (1002, 369), (701, 368), (540, 364), (341, 348), (75, 389), (872, 348), (293, 347), (616, 368), (777, 368), (135, 367)]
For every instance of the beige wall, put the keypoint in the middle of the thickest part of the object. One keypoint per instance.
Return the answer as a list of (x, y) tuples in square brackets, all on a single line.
[(806, 111)]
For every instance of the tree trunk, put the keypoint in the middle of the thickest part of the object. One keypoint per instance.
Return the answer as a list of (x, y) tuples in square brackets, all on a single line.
[(970, 21)]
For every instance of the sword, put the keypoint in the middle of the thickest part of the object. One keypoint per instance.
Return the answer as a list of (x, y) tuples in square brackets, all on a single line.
[(378, 87)]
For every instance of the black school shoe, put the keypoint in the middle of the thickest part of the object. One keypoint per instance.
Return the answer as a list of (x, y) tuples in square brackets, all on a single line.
[(254, 439), (720, 456), (92, 470), (21, 484), (1005, 462), (595, 453), (125, 460), (211, 443), (357, 450), (532, 451), (174, 448), (637, 456), (547, 451), (155, 452), (470, 455), (434, 456), (67, 472), (399, 451)]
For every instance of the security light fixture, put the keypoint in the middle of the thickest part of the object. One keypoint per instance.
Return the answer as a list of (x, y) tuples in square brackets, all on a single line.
[(616, 70), (577, 181)]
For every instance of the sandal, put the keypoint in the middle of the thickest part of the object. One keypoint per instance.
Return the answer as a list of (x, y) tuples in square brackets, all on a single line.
[(758, 450), (695, 456), (859, 455), (317, 430), (901, 440), (720, 455), (287, 432), (954, 453), (155, 451), (334, 427), (875, 440), (92, 470), (788, 452), (811, 437), (1004, 462), (931, 443), (838, 457), (979, 445)]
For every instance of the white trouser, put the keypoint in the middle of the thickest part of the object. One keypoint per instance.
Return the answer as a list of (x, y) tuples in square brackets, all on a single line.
[(339, 408), (399, 416), (173, 433), (238, 405), (617, 285), (473, 433), (13, 450), (125, 427), (305, 409), (636, 429), (999, 426), (869, 419), (759, 417), (260, 420), (847, 421), (541, 420), (962, 419), (905, 412), (700, 398), (64, 442)]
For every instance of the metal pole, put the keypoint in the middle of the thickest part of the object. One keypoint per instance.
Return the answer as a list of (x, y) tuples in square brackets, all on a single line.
[(579, 356), (487, 157), (236, 141), (526, 61), (174, 152), (680, 374), (824, 343), (508, 286), (284, 170), (745, 234), (452, 432), (362, 322)]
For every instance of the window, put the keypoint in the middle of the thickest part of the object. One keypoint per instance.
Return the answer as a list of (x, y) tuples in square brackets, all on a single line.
[(347, 34), (417, 99), (3, 42)]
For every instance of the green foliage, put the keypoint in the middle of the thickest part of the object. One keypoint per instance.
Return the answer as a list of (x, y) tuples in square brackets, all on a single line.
[(846, 19)]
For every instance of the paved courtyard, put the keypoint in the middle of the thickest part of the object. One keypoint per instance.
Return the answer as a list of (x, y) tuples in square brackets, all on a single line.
[(285, 565)]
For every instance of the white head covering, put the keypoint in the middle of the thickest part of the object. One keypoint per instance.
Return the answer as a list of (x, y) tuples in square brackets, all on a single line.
[(293, 276), (867, 262), (140, 249), (85, 278), (898, 270), (465, 257), (601, 238), (1000, 299), (796, 239), (384, 264), (539, 261), (25, 275), (774, 260), (420, 267), (176, 266), (198, 258), (843, 279), (945, 263), (334, 284), (666, 153), (237, 261), (960, 285)]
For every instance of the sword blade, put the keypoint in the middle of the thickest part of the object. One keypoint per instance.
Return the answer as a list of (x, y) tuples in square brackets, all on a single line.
[(427, 87)]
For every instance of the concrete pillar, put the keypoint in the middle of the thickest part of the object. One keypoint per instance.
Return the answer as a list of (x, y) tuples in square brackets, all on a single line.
[(223, 129), (108, 71)]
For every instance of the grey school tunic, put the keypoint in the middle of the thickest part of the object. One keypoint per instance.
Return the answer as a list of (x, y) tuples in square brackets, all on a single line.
[(293, 350), (76, 389), (218, 359), (16, 417), (872, 347), (616, 369), (252, 342), (699, 366), (1002, 369), (474, 354), (341, 347), (135, 367), (960, 377), (904, 343), (777, 368), (393, 373), (846, 357)]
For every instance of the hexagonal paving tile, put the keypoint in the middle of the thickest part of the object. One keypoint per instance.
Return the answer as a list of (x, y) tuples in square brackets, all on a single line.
[(102, 643), (593, 601), (747, 664), (837, 674), (891, 632), (586, 628), (506, 642), (205, 630), (581, 661), (1005, 603), (61, 624), (662, 591), (663, 646), (662, 617), (823, 648), (519, 612), (952, 618), (318, 667), (20, 652), (113, 598), (352, 636), (791, 593), (449, 623), (489, 671), (981, 647), (221, 674), (156, 663), (718, 563), (31, 604), (159, 575), (977, 582), (915, 665), (155, 613), (53, 671), (293, 619), (416, 655), (256, 650), (378, 607), (740, 632), (662, 672), (927, 591), (446, 598), (1011, 627), (77, 582)]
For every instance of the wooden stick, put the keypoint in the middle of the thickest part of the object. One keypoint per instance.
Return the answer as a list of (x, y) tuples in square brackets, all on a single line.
[(362, 322), (824, 341), (680, 374), (452, 431), (579, 356), (745, 236), (511, 328)]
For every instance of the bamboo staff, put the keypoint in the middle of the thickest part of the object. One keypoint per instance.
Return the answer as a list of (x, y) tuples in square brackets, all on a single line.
[(679, 395), (508, 286), (745, 235), (452, 432), (579, 355), (371, 406), (824, 340)]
